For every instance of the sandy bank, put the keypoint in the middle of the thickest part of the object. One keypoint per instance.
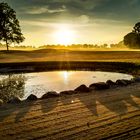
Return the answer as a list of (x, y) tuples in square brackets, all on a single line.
[(112, 113)]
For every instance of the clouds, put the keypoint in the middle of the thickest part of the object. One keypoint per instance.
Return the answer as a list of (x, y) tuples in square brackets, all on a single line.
[(84, 19), (94, 18), (37, 10), (43, 9), (127, 10)]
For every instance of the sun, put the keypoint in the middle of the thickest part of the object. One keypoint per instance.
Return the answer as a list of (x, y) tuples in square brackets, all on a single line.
[(64, 35)]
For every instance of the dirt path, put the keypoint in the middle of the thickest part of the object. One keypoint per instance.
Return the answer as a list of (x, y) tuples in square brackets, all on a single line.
[(113, 113)]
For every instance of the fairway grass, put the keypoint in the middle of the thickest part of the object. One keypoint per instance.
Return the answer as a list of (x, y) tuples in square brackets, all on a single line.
[(127, 61), (70, 55)]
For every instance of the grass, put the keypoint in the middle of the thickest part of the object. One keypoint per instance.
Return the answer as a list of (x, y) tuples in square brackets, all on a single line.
[(50, 59), (70, 55)]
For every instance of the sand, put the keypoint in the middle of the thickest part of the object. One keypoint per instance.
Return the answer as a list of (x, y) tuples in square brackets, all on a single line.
[(108, 114)]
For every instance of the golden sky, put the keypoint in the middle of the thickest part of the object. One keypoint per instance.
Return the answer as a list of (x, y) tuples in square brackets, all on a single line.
[(75, 21)]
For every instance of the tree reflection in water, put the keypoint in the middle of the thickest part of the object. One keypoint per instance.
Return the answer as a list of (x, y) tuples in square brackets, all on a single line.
[(12, 86)]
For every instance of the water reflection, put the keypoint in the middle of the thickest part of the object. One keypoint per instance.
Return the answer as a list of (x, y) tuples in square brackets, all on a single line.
[(42, 82), (66, 76), (12, 86)]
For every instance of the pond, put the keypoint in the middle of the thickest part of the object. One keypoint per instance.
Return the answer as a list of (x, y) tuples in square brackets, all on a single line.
[(22, 85)]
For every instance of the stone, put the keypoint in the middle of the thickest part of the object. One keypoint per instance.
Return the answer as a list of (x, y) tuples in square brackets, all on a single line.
[(68, 92), (110, 83), (136, 79), (128, 82), (32, 97), (44, 96), (50, 94), (1, 102), (99, 86), (14, 100), (82, 88), (121, 83), (133, 80)]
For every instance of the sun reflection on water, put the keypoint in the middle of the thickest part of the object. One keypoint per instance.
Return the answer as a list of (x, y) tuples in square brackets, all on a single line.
[(66, 76)]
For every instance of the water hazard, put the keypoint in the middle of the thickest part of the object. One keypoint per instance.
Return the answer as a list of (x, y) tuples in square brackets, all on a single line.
[(22, 85)]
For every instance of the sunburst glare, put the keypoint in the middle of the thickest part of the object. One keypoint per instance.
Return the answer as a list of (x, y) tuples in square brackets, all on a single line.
[(64, 35)]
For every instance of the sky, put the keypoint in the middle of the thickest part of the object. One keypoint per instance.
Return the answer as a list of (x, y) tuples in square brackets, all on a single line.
[(75, 21)]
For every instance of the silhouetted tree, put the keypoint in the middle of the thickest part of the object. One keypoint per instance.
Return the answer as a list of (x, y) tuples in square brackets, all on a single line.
[(132, 39), (9, 25), (137, 28)]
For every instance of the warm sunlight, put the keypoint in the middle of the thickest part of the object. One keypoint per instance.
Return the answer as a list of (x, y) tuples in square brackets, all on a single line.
[(64, 35), (69, 69), (65, 75)]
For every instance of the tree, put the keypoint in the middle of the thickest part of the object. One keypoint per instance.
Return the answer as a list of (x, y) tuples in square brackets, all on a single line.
[(132, 39), (12, 86), (137, 28), (10, 31)]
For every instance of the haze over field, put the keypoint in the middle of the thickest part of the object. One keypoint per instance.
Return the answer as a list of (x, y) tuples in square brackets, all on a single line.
[(75, 22)]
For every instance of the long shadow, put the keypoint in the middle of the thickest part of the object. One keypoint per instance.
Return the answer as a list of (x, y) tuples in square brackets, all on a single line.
[(130, 100), (114, 105), (90, 103), (23, 110), (5, 111), (115, 101), (49, 104), (136, 94)]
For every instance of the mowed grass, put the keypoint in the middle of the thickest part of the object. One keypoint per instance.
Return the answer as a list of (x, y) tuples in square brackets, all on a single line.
[(103, 55)]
